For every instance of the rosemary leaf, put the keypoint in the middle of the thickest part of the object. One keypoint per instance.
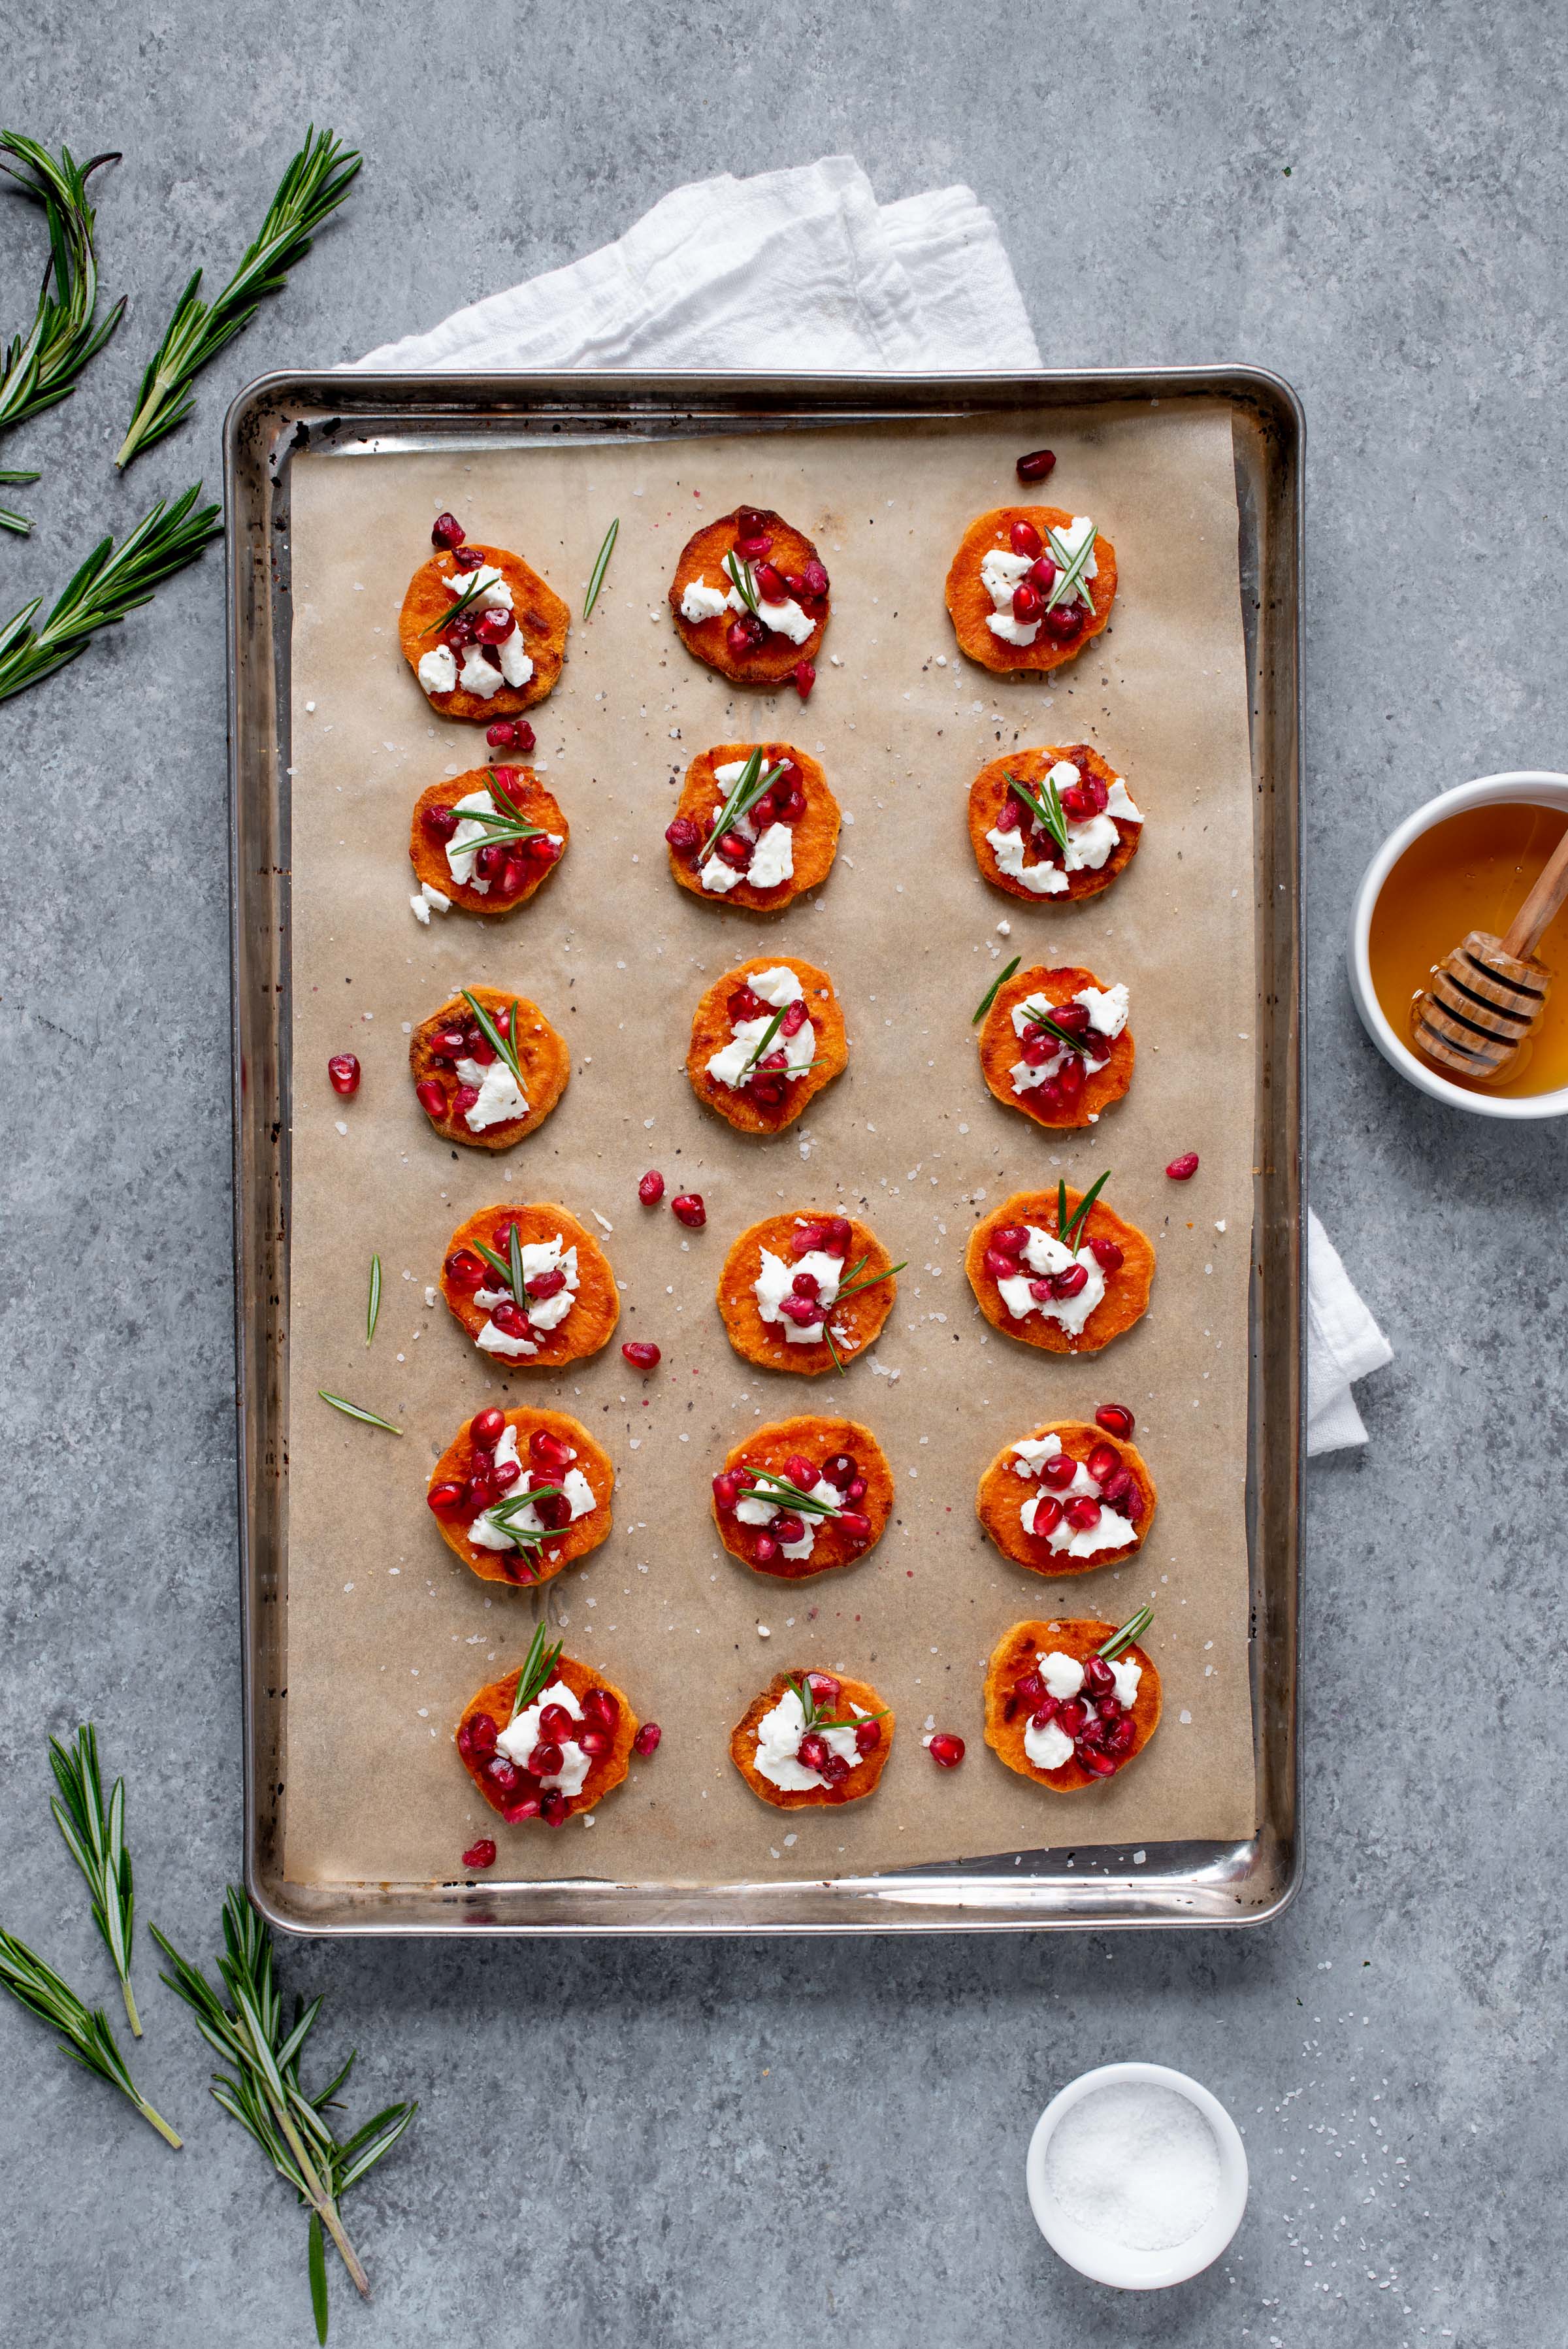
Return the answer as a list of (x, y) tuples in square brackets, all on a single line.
[(503, 1047), (870, 1282), (499, 1265), (353, 1411), (537, 1667), (8, 519), (1039, 1018), (1074, 1232), (40, 369), (95, 1837), (998, 983), (314, 185), (788, 1495), (601, 565), (766, 1036), (514, 1250), (1131, 1632), (1070, 582), (110, 582), (749, 787), (739, 574), (373, 1311), (85, 2034), (315, 2261), (470, 595), (1047, 810)]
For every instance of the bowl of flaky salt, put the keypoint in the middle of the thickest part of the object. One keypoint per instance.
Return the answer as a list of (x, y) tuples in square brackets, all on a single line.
[(1137, 2176)]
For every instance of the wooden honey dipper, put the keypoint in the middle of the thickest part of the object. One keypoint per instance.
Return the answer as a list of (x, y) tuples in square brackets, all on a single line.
[(1487, 997)]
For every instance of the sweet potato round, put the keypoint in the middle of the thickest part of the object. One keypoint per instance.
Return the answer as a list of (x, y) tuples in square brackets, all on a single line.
[(760, 1342), (862, 1779), (1126, 1291), (1014, 1655), (1000, 1043), (572, 1542), (988, 791), (816, 835), (1002, 1493), (703, 555), (969, 606), (817, 1439), (541, 614), (428, 857), (710, 1032), (541, 1054), (595, 1311), (603, 1775)]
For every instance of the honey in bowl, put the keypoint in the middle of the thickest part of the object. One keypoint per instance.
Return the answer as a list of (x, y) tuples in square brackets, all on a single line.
[(1471, 873)]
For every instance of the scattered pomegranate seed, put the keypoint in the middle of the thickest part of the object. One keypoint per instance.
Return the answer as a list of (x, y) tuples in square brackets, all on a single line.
[(651, 1189), (1109, 1257), (646, 1740), (444, 1496), (1182, 1169), (945, 1750), (1059, 1469), (1036, 465), (805, 678), (481, 1854), (446, 531), (1027, 539), (641, 1354), (440, 822), (690, 1210), (343, 1069)]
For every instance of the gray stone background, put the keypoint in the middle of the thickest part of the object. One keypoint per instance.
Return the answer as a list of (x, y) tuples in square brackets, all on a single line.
[(677, 2144)]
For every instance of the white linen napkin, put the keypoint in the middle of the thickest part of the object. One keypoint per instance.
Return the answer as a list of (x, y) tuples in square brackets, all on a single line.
[(801, 271)]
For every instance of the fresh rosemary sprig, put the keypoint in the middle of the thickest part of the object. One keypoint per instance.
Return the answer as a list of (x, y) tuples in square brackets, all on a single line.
[(314, 184), (506, 1511), (739, 574), (817, 1720), (503, 1047), (514, 1265), (503, 821), (787, 1496), (9, 520), (994, 990), (111, 582), (500, 1266), (768, 1033), (85, 2034), (870, 1281), (40, 369), (95, 1837), (1040, 1018), (537, 1666), (750, 784), (1131, 1632), (476, 588), (262, 2088), (1068, 1231), (601, 565), (1047, 808), (373, 1311), (1070, 579), (353, 1411)]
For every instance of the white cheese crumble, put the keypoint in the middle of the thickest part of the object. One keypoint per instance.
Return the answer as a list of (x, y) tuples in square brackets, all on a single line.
[(1044, 1254), (1047, 1747), (778, 1735), (500, 1098), (700, 602), (468, 840), (776, 1280), (1112, 1532), (731, 1064), (520, 1737), (1106, 1008), (754, 1510), (772, 858), (543, 1313), (438, 671)]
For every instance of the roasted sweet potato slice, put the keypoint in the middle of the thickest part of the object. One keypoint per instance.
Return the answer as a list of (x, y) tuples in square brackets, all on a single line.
[(541, 1053), (861, 1318), (1001, 1047), (988, 791), (526, 1568), (538, 611), (1003, 1493), (596, 1307), (816, 836), (702, 557), (606, 1772), (970, 606), (814, 1439), (533, 802), (1008, 1717), (862, 1779), (1125, 1290), (712, 1029)]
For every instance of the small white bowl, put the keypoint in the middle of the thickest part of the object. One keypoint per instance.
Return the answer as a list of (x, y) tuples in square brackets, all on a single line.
[(1534, 788), (1105, 2262)]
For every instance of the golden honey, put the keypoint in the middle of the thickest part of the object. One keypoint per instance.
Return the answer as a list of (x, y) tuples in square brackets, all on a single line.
[(1471, 873)]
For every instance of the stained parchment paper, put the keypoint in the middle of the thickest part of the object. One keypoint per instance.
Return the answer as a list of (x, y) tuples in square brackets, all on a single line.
[(387, 1633)]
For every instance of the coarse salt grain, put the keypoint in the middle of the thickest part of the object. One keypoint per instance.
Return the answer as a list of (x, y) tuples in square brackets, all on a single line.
[(1135, 2165)]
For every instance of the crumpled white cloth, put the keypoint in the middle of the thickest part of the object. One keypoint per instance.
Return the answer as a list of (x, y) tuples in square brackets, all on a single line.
[(801, 271)]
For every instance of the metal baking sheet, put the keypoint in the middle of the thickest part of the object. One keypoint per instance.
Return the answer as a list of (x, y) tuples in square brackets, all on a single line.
[(1186, 1883)]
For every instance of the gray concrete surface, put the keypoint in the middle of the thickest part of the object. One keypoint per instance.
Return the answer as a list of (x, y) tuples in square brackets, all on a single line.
[(703, 2144)]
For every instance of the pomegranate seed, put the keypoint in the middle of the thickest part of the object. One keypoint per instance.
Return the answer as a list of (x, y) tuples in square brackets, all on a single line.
[(747, 521), (555, 1722), (1010, 815), (855, 1490), (1097, 1677), (444, 1496), (553, 1809), (1010, 1240), (766, 1092), (482, 1732), (464, 1099), (525, 1807), (690, 1210), (735, 849), (1072, 1716), (1038, 1049), (513, 876), (486, 1428), (494, 626), (431, 1097), (1082, 1514), (1027, 539), (1036, 465), (798, 1471), (1116, 1488), (446, 531), (502, 1773), (549, 1451), (1063, 622), (478, 1492), (1122, 1735), (769, 585), (835, 1769), (510, 1320), (806, 1283), (1109, 1257), (601, 1706), (815, 578), (1100, 1765), (945, 1750), (1000, 1267), (840, 1469), (465, 1271), (775, 1062), (504, 1475), (1051, 1098), (1040, 1290), (1182, 1169), (767, 1549), (594, 1740), (788, 1528), (1077, 805), (500, 736), (738, 635), (794, 807), (727, 1487), (343, 1069), (489, 861), (1028, 601), (868, 1736), (467, 558), (1043, 574), (794, 1019), (641, 1354), (546, 1758), (1103, 1462), (481, 1854), (813, 1751), (1047, 1514), (1032, 1688), (541, 849), (440, 822), (523, 737), (646, 1740), (805, 678), (1115, 1417), (1059, 1469), (801, 1311), (546, 1284), (552, 1510), (743, 1005), (1070, 1080), (837, 1235), (854, 1524), (1068, 1282), (1096, 793), (806, 1237), (651, 1189)]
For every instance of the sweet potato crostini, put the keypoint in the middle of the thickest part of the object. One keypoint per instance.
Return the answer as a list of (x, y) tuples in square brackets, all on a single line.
[(756, 826), (1055, 823), (1068, 1703), (1029, 586), (487, 1067), (765, 1040), (802, 1497), (1066, 1497), (1056, 1045), (750, 598), (547, 1740), (1058, 1270), (806, 1292), (521, 1494), (812, 1738), (530, 1286), (481, 632), (484, 842)]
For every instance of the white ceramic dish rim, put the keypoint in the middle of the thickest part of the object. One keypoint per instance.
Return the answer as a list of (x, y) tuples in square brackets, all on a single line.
[(1540, 787), (1105, 2262)]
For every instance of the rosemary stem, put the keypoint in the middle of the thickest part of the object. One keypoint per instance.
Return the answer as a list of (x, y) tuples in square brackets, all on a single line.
[(156, 2120), (321, 2200), (135, 2022)]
